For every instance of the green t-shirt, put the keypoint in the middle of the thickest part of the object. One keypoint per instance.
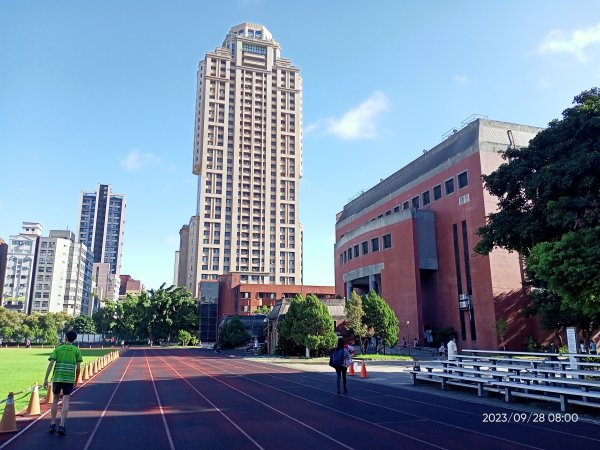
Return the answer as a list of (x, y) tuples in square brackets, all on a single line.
[(66, 356)]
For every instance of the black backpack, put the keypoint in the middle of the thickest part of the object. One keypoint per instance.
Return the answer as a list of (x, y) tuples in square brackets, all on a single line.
[(337, 358)]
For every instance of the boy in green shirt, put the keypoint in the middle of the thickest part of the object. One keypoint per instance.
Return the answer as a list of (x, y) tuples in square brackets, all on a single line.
[(68, 359)]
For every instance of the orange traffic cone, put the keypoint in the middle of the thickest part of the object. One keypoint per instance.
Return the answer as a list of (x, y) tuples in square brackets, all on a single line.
[(363, 371), (91, 366), (96, 368), (80, 376), (50, 395), (8, 424), (351, 369), (86, 372), (33, 409)]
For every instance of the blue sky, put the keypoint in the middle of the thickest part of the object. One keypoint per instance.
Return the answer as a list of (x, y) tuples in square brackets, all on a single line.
[(103, 92)]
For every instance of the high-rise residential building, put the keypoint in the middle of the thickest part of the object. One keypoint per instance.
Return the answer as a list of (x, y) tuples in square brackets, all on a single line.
[(181, 257), (20, 268), (63, 275), (248, 158), (100, 228)]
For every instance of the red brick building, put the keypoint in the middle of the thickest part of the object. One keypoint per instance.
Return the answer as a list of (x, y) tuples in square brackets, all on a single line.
[(229, 296), (411, 239)]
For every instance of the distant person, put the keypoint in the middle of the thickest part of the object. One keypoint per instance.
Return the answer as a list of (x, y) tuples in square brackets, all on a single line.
[(27, 343), (340, 360), (68, 361), (581, 346), (122, 344), (442, 350), (415, 343), (452, 349), (592, 347), (553, 349)]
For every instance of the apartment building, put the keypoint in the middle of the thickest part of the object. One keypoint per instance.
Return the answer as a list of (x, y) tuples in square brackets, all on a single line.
[(20, 267), (100, 228), (63, 275), (248, 158)]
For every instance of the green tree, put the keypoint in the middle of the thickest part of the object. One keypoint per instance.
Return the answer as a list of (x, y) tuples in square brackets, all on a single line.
[(354, 317), (10, 324), (380, 320), (84, 325), (184, 337), (549, 210), (233, 333), (160, 313), (308, 323), (550, 188), (263, 309), (569, 267)]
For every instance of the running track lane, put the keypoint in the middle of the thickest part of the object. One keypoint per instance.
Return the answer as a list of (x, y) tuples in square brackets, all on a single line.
[(203, 400)]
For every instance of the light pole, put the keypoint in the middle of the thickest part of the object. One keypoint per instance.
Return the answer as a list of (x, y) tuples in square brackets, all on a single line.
[(408, 334)]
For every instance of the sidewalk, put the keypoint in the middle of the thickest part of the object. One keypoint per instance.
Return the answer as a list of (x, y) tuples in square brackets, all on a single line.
[(388, 373)]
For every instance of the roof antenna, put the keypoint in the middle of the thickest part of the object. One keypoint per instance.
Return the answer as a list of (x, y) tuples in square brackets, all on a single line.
[(511, 139)]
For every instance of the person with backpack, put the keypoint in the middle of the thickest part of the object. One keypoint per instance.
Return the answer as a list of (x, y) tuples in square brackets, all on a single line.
[(340, 360)]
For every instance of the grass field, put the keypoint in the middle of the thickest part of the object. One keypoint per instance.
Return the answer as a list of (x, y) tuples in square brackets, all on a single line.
[(21, 368)]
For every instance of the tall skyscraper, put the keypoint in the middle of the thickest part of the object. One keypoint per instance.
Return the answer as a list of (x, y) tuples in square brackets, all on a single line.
[(100, 228), (248, 158)]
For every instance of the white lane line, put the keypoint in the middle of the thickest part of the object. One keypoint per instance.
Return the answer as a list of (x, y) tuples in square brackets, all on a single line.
[(42, 416), (416, 416), (162, 412), (88, 443), (461, 412), (320, 404), (268, 406), (215, 407)]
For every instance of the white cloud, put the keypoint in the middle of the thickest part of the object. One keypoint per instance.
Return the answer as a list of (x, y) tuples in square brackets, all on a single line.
[(360, 122), (311, 127), (136, 159), (558, 41), (461, 79)]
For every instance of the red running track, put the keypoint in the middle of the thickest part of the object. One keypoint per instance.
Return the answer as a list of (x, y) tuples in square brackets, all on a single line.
[(194, 399)]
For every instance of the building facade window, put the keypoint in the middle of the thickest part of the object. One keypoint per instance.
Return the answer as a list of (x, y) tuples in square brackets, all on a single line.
[(463, 180), (375, 244), (437, 192), (405, 205), (387, 241), (365, 248), (415, 202), (449, 186), (426, 198)]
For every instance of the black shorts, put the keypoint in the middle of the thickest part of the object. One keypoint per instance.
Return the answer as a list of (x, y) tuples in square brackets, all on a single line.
[(66, 388)]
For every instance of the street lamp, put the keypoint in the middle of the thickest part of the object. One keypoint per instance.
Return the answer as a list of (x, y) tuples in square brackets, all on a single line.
[(408, 334)]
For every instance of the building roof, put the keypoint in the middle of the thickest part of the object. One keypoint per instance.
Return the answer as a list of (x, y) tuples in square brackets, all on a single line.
[(336, 308), (462, 141)]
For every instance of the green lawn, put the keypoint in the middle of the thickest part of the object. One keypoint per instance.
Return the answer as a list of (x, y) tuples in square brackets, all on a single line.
[(21, 368)]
